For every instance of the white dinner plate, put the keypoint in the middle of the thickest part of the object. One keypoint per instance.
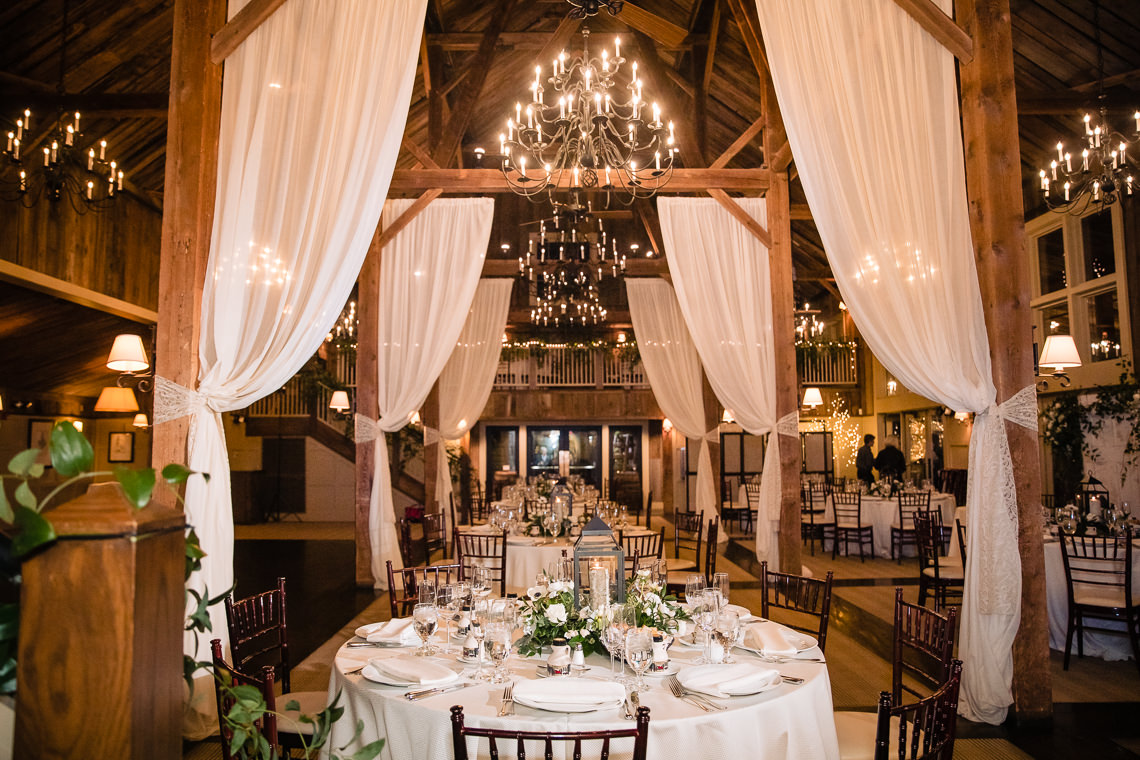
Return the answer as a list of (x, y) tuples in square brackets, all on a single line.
[(569, 707)]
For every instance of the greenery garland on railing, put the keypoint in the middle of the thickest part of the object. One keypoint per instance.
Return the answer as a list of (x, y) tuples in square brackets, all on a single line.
[(517, 350), (1067, 424)]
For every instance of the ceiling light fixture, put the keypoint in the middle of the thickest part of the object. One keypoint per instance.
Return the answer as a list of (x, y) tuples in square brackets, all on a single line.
[(579, 131)]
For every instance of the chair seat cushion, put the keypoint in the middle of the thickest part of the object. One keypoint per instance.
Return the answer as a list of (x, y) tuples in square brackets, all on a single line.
[(679, 563), (1102, 597), (852, 525), (311, 703), (945, 572), (856, 732)]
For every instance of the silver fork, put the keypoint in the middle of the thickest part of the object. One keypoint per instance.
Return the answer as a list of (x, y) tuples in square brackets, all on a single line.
[(697, 696), (508, 699), (680, 693)]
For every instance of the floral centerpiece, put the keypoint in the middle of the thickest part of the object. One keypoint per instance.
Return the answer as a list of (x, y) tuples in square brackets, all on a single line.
[(886, 487), (537, 527), (548, 612), (654, 607)]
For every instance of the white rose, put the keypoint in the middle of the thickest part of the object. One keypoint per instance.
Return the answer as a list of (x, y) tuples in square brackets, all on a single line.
[(557, 587), (556, 613), (652, 600)]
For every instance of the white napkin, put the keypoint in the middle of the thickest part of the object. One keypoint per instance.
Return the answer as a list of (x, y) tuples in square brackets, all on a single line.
[(408, 669), (770, 638), (728, 680), (398, 631), (569, 691)]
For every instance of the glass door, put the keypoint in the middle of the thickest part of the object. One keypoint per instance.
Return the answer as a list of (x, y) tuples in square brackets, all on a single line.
[(584, 445), (625, 465), (543, 445)]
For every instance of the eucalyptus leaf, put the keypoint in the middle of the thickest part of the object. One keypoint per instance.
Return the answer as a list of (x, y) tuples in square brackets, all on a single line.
[(24, 463), (5, 508), (368, 751), (24, 495), (138, 485), (71, 454), (34, 531)]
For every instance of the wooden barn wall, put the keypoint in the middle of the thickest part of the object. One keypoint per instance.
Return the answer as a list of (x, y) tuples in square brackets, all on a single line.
[(114, 252)]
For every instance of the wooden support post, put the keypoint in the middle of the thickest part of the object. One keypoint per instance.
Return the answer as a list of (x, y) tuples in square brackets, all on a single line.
[(712, 423), (368, 338), (993, 186), (191, 179), (100, 648), (429, 415), (667, 479)]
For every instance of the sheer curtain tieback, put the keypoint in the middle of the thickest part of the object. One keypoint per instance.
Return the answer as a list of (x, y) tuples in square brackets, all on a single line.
[(789, 424)]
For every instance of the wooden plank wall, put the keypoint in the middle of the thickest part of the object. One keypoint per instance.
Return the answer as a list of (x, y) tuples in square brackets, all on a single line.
[(113, 252)]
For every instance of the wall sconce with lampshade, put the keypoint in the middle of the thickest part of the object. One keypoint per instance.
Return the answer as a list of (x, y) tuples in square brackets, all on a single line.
[(339, 402), (727, 417), (140, 421), (116, 400), (812, 398), (128, 357), (1059, 353)]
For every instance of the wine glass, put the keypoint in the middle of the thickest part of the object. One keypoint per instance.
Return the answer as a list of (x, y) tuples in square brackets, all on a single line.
[(705, 618), (552, 523), (615, 636), (1068, 519), (727, 630), (720, 583), (446, 605), (424, 621), (497, 642), (639, 653), (481, 618), (694, 585), (480, 582), (427, 589)]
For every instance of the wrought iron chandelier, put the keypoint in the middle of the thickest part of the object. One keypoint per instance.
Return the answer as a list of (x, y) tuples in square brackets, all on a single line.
[(1103, 171), (68, 166), (565, 266), (579, 131)]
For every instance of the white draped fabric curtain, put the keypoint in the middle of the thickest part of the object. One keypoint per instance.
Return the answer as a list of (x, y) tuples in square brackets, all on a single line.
[(720, 272), (428, 276), (674, 371), (314, 104), (466, 380), (871, 107)]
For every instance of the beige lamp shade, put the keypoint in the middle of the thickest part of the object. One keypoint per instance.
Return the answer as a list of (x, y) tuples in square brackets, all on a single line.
[(339, 401), (127, 354), (727, 417), (141, 421), (1060, 352), (115, 399), (812, 397)]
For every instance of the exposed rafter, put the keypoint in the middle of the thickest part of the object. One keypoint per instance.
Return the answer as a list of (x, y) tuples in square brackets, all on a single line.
[(751, 181), (941, 27), (244, 23)]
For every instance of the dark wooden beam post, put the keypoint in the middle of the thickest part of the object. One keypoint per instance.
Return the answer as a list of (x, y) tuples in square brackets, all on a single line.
[(368, 337), (993, 177), (429, 415), (191, 179), (712, 423), (667, 448)]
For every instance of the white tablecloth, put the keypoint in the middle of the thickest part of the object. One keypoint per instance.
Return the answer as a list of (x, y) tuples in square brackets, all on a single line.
[(881, 512), (787, 722), (1106, 646)]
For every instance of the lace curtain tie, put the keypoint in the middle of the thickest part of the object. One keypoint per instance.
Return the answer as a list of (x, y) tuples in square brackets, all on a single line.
[(713, 436), (789, 424), (1020, 408), (431, 435), (367, 429), (173, 401)]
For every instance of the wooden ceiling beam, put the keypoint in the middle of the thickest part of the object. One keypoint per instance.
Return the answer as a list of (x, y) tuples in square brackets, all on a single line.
[(237, 29), (655, 72), (781, 157), (68, 291), (801, 212), (647, 213), (739, 144), (468, 42), (404, 219), (480, 65), (661, 31), (752, 181), (710, 56), (1070, 102), (941, 27), (421, 155), (749, 27), (742, 216), (87, 103)]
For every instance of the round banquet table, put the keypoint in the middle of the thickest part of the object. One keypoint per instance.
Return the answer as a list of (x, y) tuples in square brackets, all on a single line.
[(790, 721), (527, 556), (883, 512)]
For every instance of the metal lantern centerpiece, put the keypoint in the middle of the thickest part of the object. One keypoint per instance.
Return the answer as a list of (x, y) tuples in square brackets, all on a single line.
[(599, 566)]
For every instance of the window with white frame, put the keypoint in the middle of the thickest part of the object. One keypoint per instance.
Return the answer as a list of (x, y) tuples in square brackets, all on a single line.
[(1078, 281)]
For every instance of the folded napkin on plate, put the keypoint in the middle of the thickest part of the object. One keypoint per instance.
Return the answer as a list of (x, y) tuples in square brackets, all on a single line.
[(770, 638), (570, 691), (728, 680), (395, 631), (409, 669)]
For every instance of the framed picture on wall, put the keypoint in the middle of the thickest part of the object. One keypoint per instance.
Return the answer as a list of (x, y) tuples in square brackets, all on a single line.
[(39, 434), (121, 447)]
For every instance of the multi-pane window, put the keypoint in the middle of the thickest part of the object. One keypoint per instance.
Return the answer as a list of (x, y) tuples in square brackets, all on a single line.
[(1079, 288)]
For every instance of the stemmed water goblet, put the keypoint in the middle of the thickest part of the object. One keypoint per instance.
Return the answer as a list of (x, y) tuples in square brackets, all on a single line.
[(552, 523), (617, 625), (704, 615), (447, 603), (639, 653), (497, 642), (721, 586), (424, 622), (694, 585), (727, 631), (480, 582)]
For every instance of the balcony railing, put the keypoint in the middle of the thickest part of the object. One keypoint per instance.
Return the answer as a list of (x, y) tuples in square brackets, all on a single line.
[(565, 367), (827, 364)]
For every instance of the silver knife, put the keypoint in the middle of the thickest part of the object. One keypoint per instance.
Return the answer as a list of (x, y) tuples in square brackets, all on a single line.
[(414, 695)]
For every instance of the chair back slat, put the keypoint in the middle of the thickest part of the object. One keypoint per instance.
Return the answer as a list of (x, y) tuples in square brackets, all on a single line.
[(643, 546), (926, 728), (923, 646), (712, 536), (226, 674), (258, 634), (487, 550), (404, 584), (688, 530), (848, 507), (908, 504), (639, 732), (1098, 562), (809, 596)]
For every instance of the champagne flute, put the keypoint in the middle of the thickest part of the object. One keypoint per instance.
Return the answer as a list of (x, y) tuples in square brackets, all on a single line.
[(639, 653), (424, 621)]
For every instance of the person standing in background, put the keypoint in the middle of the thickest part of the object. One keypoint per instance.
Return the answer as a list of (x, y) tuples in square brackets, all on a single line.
[(865, 460), (890, 462)]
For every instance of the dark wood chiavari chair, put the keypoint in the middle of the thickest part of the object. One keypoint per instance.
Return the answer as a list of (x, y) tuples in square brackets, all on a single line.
[(941, 576), (483, 550), (643, 546), (848, 524), (902, 530), (924, 729), (813, 513), (1098, 576), (516, 740), (404, 584), (227, 675), (806, 596)]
